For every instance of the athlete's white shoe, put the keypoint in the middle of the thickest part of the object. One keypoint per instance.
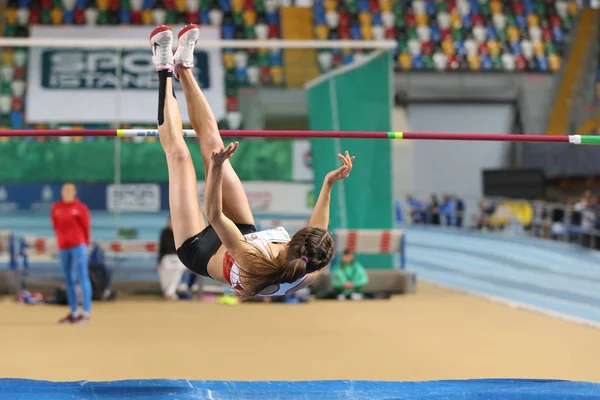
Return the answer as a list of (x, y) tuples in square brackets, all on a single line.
[(184, 55), (161, 40)]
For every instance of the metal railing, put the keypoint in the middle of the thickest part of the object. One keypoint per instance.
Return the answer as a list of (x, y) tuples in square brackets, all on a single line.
[(553, 221)]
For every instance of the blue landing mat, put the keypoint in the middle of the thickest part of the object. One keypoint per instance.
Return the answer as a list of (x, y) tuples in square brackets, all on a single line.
[(512, 389)]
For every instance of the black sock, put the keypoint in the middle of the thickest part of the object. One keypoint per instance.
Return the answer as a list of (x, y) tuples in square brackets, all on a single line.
[(162, 93)]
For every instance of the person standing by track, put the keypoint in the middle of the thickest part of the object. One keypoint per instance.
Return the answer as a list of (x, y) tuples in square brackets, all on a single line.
[(71, 222)]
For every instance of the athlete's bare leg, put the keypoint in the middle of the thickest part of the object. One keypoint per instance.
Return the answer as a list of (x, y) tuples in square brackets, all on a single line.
[(186, 215), (235, 201)]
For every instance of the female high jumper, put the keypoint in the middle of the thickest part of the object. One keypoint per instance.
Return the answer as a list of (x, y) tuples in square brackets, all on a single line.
[(229, 249)]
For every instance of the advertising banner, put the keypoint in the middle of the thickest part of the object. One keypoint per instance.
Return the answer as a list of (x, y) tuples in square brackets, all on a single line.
[(266, 198), (81, 85)]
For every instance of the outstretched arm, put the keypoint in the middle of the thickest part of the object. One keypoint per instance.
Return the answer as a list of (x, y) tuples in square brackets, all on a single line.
[(228, 232), (320, 215)]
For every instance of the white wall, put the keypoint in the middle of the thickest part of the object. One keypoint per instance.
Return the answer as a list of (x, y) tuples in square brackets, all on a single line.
[(445, 167)]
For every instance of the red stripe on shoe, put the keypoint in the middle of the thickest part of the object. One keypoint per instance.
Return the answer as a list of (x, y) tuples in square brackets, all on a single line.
[(159, 29), (187, 29)]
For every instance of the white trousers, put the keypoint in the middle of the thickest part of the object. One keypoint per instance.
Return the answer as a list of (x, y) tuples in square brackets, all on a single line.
[(170, 272)]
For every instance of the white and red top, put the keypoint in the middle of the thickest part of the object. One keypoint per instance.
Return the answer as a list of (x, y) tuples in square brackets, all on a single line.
[(231, 270)]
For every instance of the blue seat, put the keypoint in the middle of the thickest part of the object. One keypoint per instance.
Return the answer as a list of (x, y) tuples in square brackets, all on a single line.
[(436, 34), (204, 18), (276, 59), (542, 63), (459, 48), (225, 5), (417, 61), (125, 16), (348, 58), (68, 17), (557, 34), (474, 6), (320, 19), (431, 9), (467, 21), (491, 33), (16, 120), (515, 48), (355, 32), (362, 5), (486, 62), (377, 20), (521, 21), (272, 18), (228, 31), (241, 75)]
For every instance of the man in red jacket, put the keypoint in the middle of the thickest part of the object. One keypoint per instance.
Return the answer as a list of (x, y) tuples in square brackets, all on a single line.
[(71, 223)]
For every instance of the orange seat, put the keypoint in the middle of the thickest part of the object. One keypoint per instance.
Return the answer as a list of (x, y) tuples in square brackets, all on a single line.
[(56, 15), (448, 47), (496, 6), (405, 61), (147, 17), (277, 75), (365, 18), (554, 62), (533, 20), (331, 5), (181, 5), (539, 48), (422, 19), (366, 31), (102, 5), (493, 47), (474, 62), (10, 16), (228, 60), (322, 32), (455, 20), (385, 5), (249, 17), (237, 5), (512, 32)]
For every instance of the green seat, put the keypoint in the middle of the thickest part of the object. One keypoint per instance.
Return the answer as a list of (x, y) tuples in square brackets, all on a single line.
[(427, 61), (250, 32), (497, 63), (171, 17), (403, 46), (457, 34)]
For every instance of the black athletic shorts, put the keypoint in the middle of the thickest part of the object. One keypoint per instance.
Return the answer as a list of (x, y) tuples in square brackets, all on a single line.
[(196, 251)]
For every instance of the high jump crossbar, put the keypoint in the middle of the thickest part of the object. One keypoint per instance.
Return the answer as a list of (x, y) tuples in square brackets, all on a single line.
[(283, 134)]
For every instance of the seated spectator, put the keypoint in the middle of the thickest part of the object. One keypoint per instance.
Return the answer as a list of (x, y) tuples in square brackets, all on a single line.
[(349, 277), (482, 221), (448, 209), (170, 269), (584, 201), (100, 275), (418, 209), (460, 212), (433, 211)]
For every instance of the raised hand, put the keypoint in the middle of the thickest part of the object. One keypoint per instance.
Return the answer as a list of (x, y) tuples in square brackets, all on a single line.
[(342, 172), (218, 157)]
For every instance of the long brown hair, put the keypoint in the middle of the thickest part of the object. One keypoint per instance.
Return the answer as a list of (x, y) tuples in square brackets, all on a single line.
[(309, 250)]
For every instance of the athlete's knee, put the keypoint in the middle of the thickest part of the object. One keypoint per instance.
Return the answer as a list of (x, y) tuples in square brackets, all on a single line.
[(179, 154)]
